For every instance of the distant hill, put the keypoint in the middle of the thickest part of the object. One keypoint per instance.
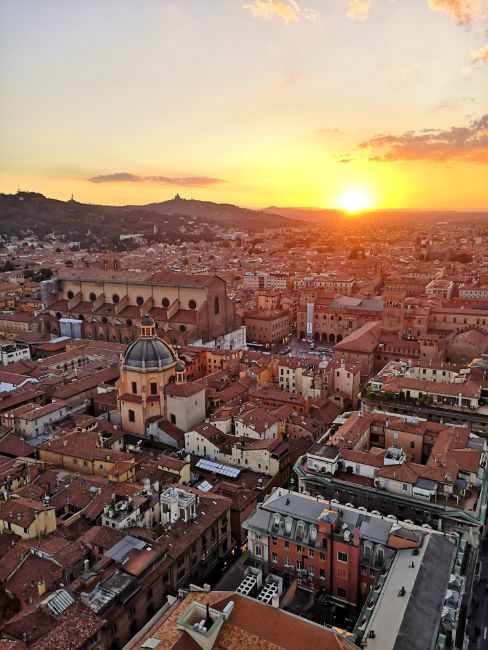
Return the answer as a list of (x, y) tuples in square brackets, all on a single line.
[(307, 214), (26, 212), (222, 213)]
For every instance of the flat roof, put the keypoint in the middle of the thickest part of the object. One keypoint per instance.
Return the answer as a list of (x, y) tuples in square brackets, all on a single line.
[(411, 621)]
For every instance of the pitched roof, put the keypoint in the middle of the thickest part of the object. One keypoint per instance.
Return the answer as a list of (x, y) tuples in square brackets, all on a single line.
[(251, 625)]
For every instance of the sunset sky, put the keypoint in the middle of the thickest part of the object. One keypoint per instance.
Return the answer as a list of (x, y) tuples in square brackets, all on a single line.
[(254, 102)]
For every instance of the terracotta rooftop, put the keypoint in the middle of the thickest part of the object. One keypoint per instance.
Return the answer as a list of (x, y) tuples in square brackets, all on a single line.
[(21, 511), (250, 626), (186, 389)]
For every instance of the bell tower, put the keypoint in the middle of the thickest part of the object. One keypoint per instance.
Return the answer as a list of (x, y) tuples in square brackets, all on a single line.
[(394, 309)]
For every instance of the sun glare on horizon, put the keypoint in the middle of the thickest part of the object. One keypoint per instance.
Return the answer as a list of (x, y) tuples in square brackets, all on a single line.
[(354, 200)]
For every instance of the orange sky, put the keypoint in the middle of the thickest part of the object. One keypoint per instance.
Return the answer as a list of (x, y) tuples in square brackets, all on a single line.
[(266, 102)]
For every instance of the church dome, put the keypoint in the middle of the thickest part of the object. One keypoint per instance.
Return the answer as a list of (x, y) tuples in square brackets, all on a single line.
[(149, 353)]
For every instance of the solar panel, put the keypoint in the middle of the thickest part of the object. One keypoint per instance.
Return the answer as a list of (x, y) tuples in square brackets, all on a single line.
[(205, 486), (217, 468)]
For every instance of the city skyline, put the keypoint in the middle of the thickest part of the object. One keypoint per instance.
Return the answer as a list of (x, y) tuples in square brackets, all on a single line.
[(253, 102)]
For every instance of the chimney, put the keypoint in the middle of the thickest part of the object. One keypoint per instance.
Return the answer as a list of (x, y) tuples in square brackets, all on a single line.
[(85, 598), (203, 623)]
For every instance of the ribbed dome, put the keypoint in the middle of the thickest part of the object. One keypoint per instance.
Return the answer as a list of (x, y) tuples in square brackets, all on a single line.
[(149, 353)]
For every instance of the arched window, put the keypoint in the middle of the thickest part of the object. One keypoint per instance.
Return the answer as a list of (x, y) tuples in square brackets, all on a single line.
[(115, 298), (216, 305), (70, 295), (93, 296), (192, 304), (165, 302), (140, 300)]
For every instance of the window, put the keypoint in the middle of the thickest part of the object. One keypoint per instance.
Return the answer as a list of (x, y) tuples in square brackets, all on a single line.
[(322, 573), (412, 445), (310, 570), (132, 416), (273, 540), (172, 417), (154, 388), (299, 548), (70, 295), (134, 387), (404, 487), (311, 552), (299, 565), (140, 300), (259, 551), (165, 302), (216, 305), (115, 298), (342, 557), (192, 304), (287, 544), (93, 296), (322, 556), (274, 557)]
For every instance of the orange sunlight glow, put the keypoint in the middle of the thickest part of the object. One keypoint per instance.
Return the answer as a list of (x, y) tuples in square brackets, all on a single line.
[(354, 200)]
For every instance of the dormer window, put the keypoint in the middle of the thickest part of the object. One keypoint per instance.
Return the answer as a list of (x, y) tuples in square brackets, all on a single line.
[(288, 524), (300, 529)]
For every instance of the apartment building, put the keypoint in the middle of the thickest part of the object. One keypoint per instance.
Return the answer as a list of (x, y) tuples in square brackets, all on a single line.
[(406, 467)]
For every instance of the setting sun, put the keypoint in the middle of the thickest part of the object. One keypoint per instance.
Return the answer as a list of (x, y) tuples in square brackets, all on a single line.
[(354, 200)]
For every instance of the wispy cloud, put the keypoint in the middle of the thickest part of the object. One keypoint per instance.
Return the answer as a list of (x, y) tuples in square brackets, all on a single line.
[(287, 10), (454, 103), (326, 131), (461, 11), (401, 74), (465, 143), (182, 181), (480, 55), (358, 9)]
